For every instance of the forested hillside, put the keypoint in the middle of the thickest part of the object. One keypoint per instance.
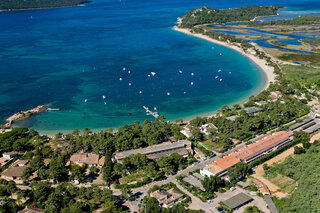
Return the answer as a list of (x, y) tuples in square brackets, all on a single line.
[(30, 4), (206, 15)]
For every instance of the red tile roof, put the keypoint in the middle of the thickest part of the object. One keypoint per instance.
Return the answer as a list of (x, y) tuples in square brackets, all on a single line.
[(222, 164), (248, 152), (261, 145)]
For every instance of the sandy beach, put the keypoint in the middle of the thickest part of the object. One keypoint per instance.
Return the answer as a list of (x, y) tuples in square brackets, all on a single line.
[(267, 70)]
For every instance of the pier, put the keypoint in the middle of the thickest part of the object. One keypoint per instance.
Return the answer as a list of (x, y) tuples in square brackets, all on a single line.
[(149, 112)]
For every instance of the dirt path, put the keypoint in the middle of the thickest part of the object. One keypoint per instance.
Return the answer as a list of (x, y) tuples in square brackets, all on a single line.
[(275, 190)]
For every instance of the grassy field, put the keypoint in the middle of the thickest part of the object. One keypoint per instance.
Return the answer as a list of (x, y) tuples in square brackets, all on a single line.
[(285, 183), (312, 59), (305, 170), (312, 42), (301, 72)]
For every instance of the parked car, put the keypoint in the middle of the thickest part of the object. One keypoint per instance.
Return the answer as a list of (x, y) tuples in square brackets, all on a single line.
[(232, 188), (211, 156), (218, 208), (196, 163)]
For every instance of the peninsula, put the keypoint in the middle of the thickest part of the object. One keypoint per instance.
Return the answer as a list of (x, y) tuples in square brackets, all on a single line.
[(8, 5), (24, 114)]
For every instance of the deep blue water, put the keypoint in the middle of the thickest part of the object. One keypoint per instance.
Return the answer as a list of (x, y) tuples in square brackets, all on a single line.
[(66, 55)]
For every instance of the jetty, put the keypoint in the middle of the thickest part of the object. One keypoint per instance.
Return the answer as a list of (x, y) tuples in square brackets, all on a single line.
[(23, 115), (149, 112)]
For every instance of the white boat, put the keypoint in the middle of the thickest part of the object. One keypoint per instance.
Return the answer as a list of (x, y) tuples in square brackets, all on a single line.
[(105, 102), (153, 73), (149, 76), (220, 79), (103, 97), (219, 70), (180, 71), (129, 72), (51, 109), (140, 91), (120, 79), (155, 108), (129, 84), (229, 73), (85, 100), (191, 83), (124, 69), (184, 92), (217, 77), (168, 93), (192, 74), (220, 53)]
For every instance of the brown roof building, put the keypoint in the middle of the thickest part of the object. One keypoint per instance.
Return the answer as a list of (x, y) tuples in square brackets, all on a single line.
[(15, 171), (156, 151), (248, 154), (167, 198), (89, 159), (30, 209)]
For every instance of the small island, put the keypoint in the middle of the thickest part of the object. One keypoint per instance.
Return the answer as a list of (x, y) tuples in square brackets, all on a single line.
[(9, 5)]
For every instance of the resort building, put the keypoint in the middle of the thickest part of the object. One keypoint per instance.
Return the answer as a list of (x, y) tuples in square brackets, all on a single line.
[(252, 110), (262, 147), (275, 95), (167, 198), (157, 151), (300, 124), (10, 155), (260, 103), (219, 167), (4, 162), (31, 209), (15, 171), (186, 132), (89, 159), (194, 180), (204, 128), (248, 154)]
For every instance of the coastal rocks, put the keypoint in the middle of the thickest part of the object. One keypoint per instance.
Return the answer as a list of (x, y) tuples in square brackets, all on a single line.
[(23, 115)]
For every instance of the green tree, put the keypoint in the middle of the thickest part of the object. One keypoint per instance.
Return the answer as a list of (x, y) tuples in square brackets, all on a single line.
[(151, 205), (40, 192), (57, 169), (78, 173), (239, 171), (212, 183), (107, 168)]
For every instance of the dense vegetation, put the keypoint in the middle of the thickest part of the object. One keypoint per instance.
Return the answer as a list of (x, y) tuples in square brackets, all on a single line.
[(32, 4), (303, 20), (302, 73), (207, 15), (305, 170), (63, 198)]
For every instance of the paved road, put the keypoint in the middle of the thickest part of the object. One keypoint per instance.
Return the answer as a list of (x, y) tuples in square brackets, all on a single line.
[(196, 202)]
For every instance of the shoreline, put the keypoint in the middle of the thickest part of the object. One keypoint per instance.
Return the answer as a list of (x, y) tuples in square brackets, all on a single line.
[(266, 70)]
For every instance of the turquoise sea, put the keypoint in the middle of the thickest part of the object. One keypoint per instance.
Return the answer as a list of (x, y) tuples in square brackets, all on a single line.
[(66, 55)]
